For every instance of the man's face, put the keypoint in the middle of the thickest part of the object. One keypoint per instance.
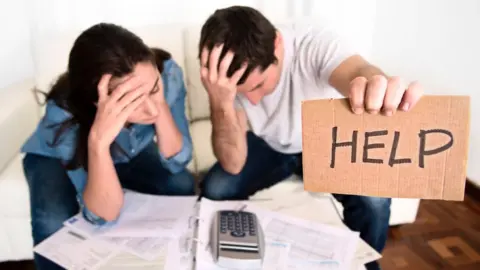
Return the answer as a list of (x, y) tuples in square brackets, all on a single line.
[(259, 84)]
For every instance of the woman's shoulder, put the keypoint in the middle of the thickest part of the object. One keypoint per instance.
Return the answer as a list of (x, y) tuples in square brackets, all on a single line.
[(173, 80), (54, 135)]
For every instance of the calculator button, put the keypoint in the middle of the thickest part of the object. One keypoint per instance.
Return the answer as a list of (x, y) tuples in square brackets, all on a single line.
[(237, 234)]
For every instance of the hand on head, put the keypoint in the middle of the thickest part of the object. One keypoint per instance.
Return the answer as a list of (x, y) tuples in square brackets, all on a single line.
[(221, 89), (113, 110), (383, 95)]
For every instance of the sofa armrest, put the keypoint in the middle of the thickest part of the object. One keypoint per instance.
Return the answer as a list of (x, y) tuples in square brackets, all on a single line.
[(19, 115)]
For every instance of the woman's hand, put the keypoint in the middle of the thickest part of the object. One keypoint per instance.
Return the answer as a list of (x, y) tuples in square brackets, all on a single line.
[(113, 110)]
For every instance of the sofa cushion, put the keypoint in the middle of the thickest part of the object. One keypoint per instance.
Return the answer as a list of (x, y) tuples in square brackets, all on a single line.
[(201, 131), (199, 106), (14, 193)]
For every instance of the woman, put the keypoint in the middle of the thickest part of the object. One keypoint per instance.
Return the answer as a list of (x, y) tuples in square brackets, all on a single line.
[(97, 135)]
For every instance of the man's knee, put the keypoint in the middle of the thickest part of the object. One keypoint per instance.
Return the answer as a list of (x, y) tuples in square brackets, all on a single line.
[(182, 183), (378, 206), (220, 185)]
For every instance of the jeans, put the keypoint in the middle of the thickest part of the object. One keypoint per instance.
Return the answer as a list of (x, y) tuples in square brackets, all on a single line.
[(265, 167), (53, 196)]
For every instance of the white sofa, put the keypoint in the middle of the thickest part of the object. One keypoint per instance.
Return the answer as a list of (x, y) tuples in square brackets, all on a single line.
[(19, 113)]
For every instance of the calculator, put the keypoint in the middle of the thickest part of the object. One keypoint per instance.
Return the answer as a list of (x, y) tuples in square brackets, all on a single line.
[(237, 240)]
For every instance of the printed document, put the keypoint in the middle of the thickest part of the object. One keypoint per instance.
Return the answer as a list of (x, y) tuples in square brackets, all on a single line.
[(312, 245), (73, 251), (143, 215)]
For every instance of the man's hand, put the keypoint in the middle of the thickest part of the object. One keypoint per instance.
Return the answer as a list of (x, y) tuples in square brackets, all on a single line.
[(380, 94), (228, 133), (221, 89)]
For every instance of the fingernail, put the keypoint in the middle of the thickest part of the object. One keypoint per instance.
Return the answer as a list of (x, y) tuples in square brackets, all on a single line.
[(406, 106), (388, 113), (373, 111), (357, 110)]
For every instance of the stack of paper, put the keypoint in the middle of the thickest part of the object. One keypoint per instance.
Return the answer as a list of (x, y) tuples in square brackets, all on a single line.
[(151, 231), (165, 232), (300, 244)]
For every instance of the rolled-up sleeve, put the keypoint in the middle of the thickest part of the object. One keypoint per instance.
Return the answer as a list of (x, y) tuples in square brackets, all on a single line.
[(179, 161), (79, 180)]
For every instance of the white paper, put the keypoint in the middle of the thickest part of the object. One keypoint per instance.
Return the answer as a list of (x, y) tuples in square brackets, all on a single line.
[(176, 254), (300, 206), (312, 245), (147, 248), (276, 255), (180, 256), (127, 261), (143, 215), (73, 251)]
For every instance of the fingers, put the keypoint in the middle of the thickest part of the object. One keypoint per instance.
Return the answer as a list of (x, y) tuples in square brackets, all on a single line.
[(375, 94), (131, 107), (126, 100), (213, 63), (382, 94), (393, 96), (225, 64), (357, 94), (203, 63), (238, 74), (412, 96), (129, 85), (211, 71), (103, 87)]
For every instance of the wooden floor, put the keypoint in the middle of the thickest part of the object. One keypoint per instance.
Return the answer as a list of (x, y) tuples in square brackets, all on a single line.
[(446, 235)]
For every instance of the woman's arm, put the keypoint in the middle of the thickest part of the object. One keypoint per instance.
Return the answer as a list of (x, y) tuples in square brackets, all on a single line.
[(169, 138), (172, 127), (103, 195)]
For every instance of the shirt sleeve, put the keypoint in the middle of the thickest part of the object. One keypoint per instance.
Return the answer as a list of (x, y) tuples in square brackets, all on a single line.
[(79, 179), (179, 161), (64, 150), (323, 50)]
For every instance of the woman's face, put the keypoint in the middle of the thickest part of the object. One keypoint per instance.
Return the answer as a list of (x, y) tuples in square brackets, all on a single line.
[(148, 81)]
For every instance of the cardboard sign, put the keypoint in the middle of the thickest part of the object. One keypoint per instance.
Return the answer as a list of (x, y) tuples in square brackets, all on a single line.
[(417, 154)]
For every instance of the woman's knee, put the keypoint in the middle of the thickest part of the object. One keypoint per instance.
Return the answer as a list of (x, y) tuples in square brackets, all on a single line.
[(52, 195)]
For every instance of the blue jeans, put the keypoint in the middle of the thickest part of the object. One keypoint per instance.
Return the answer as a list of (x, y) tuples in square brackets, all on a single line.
[(53, 196), (265, 167)]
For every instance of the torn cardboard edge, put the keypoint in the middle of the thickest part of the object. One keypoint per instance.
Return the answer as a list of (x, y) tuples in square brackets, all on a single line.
[(422, 153)]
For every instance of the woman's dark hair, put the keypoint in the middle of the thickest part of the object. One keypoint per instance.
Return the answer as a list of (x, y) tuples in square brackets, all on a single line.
[(101, 49), (246, 32)]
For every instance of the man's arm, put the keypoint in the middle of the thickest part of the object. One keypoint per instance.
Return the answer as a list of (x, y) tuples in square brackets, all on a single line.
[(229, 137), (351, 68), (228, 125)]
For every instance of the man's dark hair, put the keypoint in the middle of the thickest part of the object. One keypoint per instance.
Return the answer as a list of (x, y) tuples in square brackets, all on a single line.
[(244, 31)]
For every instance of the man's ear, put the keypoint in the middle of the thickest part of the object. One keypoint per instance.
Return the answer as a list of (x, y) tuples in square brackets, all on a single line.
[(278, 40)]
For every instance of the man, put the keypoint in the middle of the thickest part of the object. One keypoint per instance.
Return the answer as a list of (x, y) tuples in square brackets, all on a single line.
[(254, 71)]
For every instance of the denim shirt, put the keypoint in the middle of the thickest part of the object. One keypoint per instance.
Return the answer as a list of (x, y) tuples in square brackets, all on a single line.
[(133, 139)]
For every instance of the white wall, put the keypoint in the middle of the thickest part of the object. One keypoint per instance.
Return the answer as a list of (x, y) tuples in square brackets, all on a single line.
[(438, 43), (16, 62)]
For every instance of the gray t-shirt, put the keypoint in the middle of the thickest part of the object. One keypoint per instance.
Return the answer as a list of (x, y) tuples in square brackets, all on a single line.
[(311, 54)]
